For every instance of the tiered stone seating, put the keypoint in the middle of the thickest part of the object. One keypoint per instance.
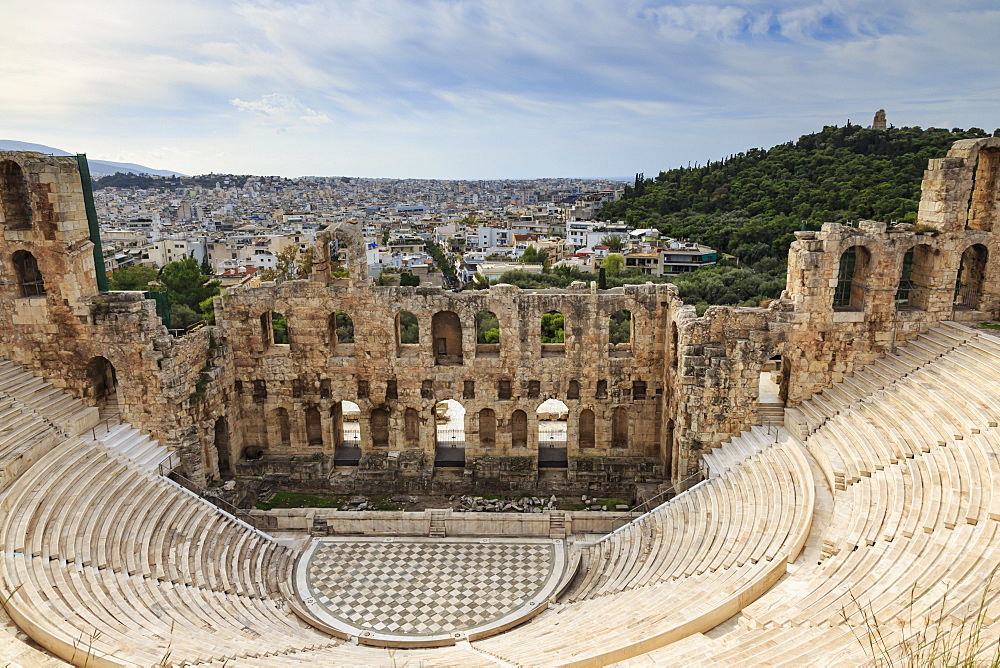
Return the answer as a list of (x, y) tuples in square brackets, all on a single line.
[(18, 651), (914, 529), (62, 410), (727, 538), (94, 545), (112, 559)]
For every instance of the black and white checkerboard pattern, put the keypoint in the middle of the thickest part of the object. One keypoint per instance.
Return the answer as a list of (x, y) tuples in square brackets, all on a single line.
[(426, 588)]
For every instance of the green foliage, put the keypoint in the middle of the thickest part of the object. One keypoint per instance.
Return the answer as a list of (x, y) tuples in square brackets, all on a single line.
[(147, 182), (290, 264), (759, 197), (613, 264), (534, 256), (186, 284), (613, 242), (207, 309), (620, 327), (442, 261), (206, 267), (132, 278), (409, 330), (406, 279), (723, 283), (552, 328), (345, 328), (183, 316), (487, 327), (279, 328)]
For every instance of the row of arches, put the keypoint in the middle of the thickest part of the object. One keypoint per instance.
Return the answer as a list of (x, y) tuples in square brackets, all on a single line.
[(916, 284), (446, 332), (345, 430)]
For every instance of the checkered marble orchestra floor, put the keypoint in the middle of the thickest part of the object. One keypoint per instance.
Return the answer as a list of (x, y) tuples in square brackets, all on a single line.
[(419, 586)]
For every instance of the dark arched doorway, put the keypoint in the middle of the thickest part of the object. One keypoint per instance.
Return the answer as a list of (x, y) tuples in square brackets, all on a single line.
[(102, 384)]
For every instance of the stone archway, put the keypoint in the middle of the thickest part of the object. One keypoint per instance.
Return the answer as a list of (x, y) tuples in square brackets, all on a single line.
[(102, 383)]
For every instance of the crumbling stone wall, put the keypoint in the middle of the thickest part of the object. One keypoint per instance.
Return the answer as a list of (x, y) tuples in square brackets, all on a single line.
[(379, 373), (686, 383)]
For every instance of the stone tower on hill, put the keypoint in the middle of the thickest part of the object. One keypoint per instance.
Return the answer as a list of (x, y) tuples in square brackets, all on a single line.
[(878, 123)]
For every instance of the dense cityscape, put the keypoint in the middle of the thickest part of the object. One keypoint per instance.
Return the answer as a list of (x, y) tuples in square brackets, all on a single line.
[(242, 225)]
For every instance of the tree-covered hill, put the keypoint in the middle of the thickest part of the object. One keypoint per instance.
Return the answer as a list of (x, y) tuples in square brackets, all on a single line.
[(749, 204)]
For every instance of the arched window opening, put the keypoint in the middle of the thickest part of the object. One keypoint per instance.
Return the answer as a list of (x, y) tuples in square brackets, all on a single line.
[(449, 427), (983, 203), (553, 327), (487, 335), (619, 428), (283, 427), (15, 201), (552, 418), (771, 392), (340, 330), (314, 426), (221, 441), (487, 428), (553, 334), (923, 270), (102, 384), (519, 429), (587, 435), (345, 417), (620, 333), (852, 279), (446, 332), (411, 428), (971, 273), (407, 329), (29, 278), (602, 390), (905, 288), (379, 423), (573, 392), (279, 329)]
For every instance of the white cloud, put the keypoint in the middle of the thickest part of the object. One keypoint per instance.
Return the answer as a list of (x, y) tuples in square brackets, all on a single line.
[(281, 111), (647, 83)]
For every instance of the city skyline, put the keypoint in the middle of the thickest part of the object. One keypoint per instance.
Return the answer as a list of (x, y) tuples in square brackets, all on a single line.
[(480, 90)]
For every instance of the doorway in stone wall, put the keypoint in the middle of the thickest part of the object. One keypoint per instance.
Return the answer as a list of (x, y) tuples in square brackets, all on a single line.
[(102, 386), (449, 421), (345, 417), (553, 415), (772, 392)]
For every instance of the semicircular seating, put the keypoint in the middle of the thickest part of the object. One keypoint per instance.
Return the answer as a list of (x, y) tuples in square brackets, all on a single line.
[(107, 563)]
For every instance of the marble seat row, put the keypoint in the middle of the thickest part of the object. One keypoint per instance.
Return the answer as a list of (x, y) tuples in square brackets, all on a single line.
[(34, 394), (70, 416), (882, 374), (99, 553), (915, 519), (748, 513)]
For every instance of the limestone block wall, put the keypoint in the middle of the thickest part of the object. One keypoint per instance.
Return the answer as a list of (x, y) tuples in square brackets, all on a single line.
[(379, 372), (681, 385)]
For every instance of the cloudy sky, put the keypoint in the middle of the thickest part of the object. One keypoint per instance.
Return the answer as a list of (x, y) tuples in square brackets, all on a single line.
[(480, 88)]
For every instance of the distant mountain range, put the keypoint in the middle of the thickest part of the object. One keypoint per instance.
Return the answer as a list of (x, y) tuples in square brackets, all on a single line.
[(97, 167)]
